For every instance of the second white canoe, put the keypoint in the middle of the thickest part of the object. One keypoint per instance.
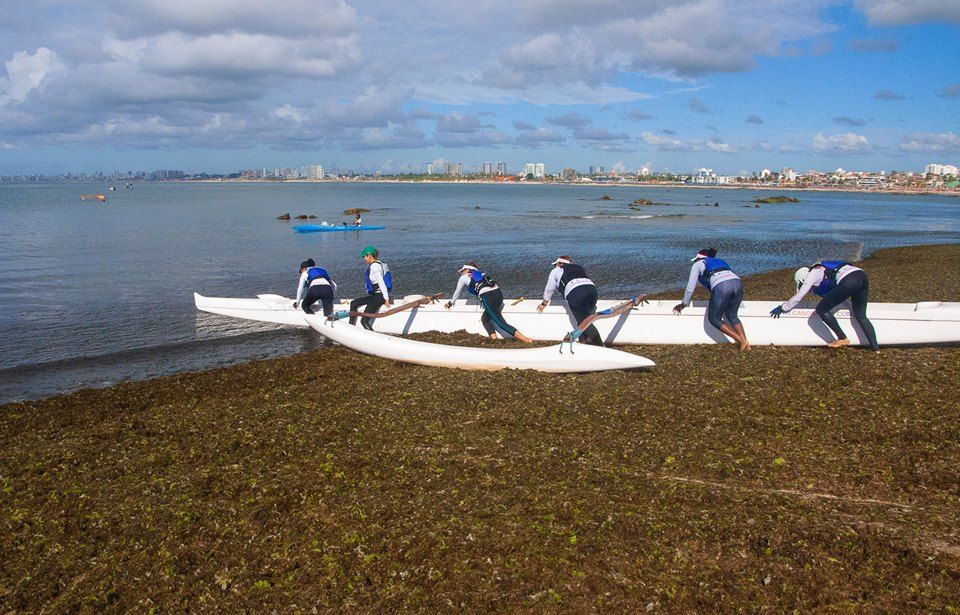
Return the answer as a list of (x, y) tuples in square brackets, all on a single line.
[(583, 358)]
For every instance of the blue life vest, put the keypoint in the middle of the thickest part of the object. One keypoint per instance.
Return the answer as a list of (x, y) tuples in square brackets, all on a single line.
[(317, 272), (830, 269), (712, 266), (387, 279), (570, 272), (478, 281)]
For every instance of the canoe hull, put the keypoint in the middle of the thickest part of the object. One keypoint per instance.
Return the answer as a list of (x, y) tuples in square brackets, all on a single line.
[(320, 228), (896, 323), (553, 359)]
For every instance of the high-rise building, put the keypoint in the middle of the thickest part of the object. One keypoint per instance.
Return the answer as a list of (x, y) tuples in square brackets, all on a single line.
[(429, 168), (528, 169), (568, 175), (539, 170), (487, 168), (501, 168)]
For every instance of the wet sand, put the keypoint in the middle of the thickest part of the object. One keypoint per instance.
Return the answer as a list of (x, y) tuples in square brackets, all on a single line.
[(783, 478)]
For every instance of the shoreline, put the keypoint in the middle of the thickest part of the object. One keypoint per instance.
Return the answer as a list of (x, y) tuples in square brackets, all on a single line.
[(950, 193), (783, 478)]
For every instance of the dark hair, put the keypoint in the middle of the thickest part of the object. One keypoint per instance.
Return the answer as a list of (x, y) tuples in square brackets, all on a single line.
[(307, 264), (471, 263), (709, 252)]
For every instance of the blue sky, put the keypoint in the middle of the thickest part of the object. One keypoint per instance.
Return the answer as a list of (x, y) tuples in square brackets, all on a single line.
[(736, 85)]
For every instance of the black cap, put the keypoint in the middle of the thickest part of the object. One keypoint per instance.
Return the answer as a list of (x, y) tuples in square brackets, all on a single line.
[(307, 263)]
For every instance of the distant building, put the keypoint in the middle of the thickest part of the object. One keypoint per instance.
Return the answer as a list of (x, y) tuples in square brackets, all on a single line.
[(788, 175), (528, 169), (501, 168), (487, 168), (429, 168), (568, 175), (539, 170), (644, 172), (765, 174), (707, 176), (940, 169)]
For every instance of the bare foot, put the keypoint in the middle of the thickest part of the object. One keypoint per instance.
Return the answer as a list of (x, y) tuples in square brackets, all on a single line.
[(744, 345), (838, 343), (523, 338)]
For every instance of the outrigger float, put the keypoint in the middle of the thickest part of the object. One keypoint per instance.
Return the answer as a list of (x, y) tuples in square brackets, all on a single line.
[(927, 322)]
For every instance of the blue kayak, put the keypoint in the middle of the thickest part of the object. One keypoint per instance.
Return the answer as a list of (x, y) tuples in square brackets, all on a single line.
[(320, 228)]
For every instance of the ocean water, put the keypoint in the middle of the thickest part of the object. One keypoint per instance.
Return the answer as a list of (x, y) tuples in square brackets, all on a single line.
[(94, 293)]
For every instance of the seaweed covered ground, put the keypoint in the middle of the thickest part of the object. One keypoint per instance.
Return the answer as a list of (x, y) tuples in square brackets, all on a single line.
[(779, 479)]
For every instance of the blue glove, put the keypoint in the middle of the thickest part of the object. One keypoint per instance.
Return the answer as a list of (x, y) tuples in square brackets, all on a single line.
[(775, 312)]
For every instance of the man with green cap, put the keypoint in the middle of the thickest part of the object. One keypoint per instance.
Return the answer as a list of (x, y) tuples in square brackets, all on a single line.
[(378, 284)]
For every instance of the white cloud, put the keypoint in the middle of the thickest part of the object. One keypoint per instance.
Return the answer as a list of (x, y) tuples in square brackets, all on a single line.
[(288, 112), (932, 143), (845, 143), (903, 12), (720, 146), (664, 143), (25, 72)]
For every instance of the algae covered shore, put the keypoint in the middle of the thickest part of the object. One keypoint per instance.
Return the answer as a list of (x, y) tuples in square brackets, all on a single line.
[(782, 478)]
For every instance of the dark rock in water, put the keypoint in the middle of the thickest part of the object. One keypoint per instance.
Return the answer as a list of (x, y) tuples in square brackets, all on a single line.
[(777, 199), (757, 205), (305, 217), (606, 197), (716, 204), (642, 202), (284, 217), (476, 207)]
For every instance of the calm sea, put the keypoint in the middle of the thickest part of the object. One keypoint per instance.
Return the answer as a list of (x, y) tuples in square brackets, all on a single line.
[(93, 293)]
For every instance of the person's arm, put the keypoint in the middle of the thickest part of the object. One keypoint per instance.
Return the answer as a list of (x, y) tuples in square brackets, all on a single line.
[(376, 278), (301, 288), (813, 278), (553, 282), (695, 271), (461, 284)]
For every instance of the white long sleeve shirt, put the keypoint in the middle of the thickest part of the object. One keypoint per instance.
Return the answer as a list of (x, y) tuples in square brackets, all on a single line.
[(463, 283), (376, 278), (696, 271), (816, 275), (553, 283)]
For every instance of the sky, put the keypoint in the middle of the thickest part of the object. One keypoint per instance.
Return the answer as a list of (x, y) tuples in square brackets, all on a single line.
[(734, 85)]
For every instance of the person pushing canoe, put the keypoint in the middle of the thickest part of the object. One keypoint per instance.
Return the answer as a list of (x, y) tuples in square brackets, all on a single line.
[(726, 294), (315, 285), (835, 281), (378, 283), (480, 284), (579, 291)]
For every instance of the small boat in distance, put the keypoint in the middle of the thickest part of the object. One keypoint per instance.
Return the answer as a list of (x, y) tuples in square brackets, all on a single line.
[(129, 186), (93, 197), (112, 188)]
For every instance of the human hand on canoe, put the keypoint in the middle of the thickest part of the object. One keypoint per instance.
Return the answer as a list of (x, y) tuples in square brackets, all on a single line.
[(678, 308)]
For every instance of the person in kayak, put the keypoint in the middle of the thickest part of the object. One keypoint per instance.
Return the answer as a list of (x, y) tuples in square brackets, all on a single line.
[(358, 221), (315, 285), (726, 294), (579, 291), (378, 283), (835, 281), (480, 284)]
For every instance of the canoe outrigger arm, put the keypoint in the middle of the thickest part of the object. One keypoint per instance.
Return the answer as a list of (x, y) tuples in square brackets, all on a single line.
[(616, 310)]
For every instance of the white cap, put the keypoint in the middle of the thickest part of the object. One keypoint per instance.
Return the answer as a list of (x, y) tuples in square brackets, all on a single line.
[(470, 267), (800, 275), (699, 255), (560, 261)]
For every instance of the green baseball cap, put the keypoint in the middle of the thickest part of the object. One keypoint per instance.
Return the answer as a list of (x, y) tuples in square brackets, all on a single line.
[(368, 250)]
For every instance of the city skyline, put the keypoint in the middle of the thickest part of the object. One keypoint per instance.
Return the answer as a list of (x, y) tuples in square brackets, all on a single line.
[(736, 87)]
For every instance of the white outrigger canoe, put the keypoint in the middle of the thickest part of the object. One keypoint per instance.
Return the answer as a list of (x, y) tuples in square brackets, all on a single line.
[(927, 322), (556, 358)]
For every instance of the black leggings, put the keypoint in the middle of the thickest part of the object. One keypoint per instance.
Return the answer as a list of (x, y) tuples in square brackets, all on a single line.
[(582, 301), (854, 287), (492, 302), (371, 304), (322, 293)]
